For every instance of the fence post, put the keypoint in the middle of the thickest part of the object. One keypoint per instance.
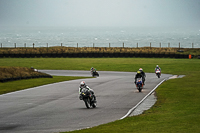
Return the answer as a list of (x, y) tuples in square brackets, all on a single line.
[(25, 45), (33, 45), (61, 44), (150, 44), (77, 45), (15, 45), (1, 45), (179, 45), (123, 44), (109, 45), (160, 44), (93, 45), (137, 44), (47, 47)]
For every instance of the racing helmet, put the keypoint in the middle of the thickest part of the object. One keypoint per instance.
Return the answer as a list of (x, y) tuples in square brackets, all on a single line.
[(140, 69), (82, 84), (157, 66), (138, 72)]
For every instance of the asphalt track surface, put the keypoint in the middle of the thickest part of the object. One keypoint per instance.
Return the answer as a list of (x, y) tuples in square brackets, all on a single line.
[(57, 108)]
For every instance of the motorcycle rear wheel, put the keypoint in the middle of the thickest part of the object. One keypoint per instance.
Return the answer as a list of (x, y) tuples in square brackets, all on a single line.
[(140, 89)]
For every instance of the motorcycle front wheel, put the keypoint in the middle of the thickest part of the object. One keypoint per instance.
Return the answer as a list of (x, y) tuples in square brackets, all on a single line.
[(94, 105), (87, 102)]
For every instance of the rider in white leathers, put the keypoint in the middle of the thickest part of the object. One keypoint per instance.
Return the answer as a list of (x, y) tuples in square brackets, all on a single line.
[(157, 67), (83, 85)]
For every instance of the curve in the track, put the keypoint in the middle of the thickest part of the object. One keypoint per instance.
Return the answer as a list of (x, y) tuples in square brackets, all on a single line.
[(56, 107)]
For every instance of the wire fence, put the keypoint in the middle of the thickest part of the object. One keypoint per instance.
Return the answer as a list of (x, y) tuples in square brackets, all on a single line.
[(123, 45)]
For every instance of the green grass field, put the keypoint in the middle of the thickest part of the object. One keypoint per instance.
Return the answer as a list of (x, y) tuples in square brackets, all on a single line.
[(172, 66), (178, 105)]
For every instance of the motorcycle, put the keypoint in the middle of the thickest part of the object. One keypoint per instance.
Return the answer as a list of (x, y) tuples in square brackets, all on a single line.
[(88, 98), (94, 73), (139, 84), (158, 73)]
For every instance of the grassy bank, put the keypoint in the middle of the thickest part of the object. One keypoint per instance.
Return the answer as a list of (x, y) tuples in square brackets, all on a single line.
[(57, 50), (17, 73), (178, 105)]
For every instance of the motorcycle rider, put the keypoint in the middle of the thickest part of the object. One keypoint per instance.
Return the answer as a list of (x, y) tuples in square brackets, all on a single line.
[(94, 72), (83, 85), (139, 75), (157, 67), (142, 72), (93, 69)]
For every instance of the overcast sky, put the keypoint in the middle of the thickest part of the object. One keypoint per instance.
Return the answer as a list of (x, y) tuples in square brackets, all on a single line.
[(100, 13)]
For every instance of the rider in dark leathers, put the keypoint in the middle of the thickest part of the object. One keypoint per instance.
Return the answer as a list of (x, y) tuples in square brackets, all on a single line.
[(139, 75), (143, 73)]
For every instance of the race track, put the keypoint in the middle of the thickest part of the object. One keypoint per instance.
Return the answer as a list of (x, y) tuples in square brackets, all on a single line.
[(56, 107)]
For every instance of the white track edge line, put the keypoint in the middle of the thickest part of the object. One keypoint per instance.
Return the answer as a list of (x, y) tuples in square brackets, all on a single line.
[(132, 109)]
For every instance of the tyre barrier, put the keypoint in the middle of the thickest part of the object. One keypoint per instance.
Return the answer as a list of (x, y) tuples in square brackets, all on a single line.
[(95, 55)]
